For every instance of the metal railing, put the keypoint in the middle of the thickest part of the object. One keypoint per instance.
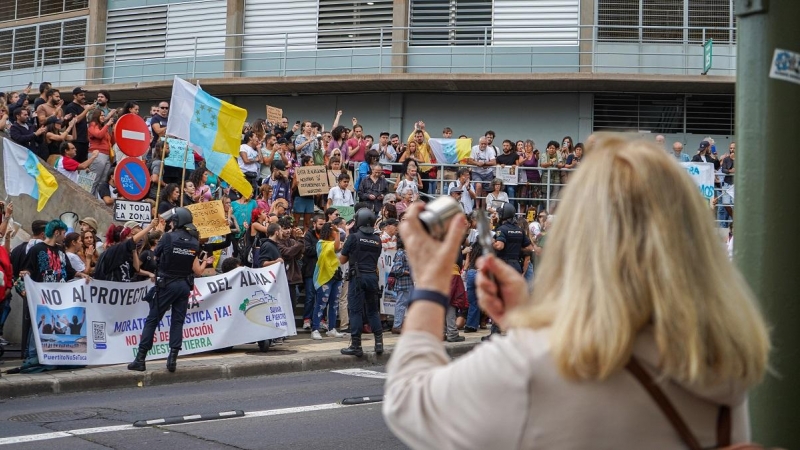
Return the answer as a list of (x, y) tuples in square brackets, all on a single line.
[(519, 50)]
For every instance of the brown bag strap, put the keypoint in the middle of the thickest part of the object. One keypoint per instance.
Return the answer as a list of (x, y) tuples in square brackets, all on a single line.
[(664, 404)]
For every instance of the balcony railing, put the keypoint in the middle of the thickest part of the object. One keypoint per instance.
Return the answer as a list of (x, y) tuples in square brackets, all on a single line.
[(517, 50)]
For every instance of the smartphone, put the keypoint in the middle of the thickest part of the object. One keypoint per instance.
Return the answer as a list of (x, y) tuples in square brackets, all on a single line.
[(30, 84), (203, 255), (297, 123)]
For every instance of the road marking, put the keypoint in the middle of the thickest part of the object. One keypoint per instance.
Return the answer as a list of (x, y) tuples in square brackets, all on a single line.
[(361, 373), (97, 430), (135, 135)]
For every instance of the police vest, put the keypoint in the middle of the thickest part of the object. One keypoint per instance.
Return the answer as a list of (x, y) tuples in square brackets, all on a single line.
[(178, 255), (513, 237), (366, 252)]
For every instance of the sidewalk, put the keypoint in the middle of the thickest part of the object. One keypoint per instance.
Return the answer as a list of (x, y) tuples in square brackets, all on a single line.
[(299, 354)]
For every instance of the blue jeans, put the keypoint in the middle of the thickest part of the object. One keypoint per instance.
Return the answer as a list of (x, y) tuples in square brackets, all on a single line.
[(5, 312), (308, 306), (529, 273), (512, 192), (327, 297), (474, 312), (400, 308)]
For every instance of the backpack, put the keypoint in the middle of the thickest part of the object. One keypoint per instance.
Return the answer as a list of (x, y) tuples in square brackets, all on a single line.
[(723, 419)]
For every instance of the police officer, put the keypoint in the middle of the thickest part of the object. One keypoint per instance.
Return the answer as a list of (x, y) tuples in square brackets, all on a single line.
[(364, 248), (510, 242), (178, 262)]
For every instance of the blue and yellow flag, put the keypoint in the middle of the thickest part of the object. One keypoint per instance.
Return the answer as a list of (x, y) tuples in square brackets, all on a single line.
[(25, 174), (327, 263)]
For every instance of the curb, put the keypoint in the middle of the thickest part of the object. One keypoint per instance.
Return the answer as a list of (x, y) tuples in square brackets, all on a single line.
[(58, 382)]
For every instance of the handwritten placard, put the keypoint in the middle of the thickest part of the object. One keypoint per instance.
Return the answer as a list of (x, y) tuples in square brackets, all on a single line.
[(312, 180), (508, 174), (177, 154), (702, 175), (209, 218), (86, 179), (274, 115)]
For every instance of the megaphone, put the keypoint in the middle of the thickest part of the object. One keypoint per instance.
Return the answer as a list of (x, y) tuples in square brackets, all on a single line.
[(71, 220)]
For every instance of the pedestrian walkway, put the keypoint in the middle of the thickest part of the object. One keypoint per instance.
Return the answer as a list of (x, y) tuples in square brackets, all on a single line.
[(298, 354)]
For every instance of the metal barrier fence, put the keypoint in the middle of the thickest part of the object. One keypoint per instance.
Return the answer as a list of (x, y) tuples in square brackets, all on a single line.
[(545, 195), (520, 49)]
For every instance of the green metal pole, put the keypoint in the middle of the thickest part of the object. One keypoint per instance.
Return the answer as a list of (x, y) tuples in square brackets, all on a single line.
[(767, 206)]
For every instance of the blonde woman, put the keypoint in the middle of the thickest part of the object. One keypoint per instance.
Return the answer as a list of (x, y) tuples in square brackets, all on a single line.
[(621, 288)]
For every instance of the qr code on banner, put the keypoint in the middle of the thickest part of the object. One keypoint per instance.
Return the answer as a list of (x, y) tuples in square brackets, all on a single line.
[(99, 331)]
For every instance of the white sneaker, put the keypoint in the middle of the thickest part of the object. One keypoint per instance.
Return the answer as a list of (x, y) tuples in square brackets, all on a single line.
[(307, 324), (333, 333), (315, 335)]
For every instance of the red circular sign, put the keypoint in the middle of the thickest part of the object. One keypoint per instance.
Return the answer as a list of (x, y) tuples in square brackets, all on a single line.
[(132, 179), (132, 135)]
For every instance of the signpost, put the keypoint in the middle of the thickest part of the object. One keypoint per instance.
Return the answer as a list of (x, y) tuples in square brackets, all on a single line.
[(131, 135), (132, 178), (707, 50), (125, 210)]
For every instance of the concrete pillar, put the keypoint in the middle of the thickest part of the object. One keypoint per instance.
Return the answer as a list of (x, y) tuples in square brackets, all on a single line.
[(396, 110), (400, 35), (767, 211), (587, 21), (585, 115), (96, 34), (234, 29)]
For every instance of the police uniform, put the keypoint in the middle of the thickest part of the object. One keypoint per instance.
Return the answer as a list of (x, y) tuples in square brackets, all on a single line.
[(514, 240), (176, 252), (363, 251)]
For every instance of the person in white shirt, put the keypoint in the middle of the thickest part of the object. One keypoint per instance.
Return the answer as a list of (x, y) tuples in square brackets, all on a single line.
[(496, 197), (250, 158), (340, 195), (484, 158), (66, 163), (468, 192), (386, 152)]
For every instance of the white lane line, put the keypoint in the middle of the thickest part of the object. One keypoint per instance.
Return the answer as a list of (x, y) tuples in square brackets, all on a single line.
[(361, 373), (86, 431)]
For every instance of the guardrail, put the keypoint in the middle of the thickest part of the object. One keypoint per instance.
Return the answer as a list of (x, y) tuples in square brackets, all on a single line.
[(540, 49)]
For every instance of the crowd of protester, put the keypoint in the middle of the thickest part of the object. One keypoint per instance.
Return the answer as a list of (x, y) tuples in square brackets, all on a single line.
[(277, 224)]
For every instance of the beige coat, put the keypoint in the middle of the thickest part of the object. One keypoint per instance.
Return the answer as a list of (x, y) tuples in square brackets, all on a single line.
[(508, 394)]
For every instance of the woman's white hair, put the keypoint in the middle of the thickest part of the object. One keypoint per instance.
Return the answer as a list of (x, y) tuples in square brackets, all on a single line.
[(635, 246)]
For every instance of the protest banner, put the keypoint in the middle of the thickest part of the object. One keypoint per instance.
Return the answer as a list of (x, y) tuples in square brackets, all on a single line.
[(388, 297), (333, 175), (125, 210), (703, 176), (274, 115), (509, 174), (345, 212), (101, 322), (177, 154), (209, 218), (312, 180), (86, 179)]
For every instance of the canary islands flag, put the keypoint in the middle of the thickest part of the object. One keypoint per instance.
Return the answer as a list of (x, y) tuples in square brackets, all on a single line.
[(212, 127), (450, 151), (24, 174), (327, 263)]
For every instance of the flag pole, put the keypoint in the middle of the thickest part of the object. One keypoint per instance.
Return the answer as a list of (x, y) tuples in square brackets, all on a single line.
[(161, 174), (183, 174)]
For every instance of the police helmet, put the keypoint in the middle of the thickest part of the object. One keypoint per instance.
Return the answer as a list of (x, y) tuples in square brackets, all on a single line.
[(506, 212), (365, 220), (182, 217)]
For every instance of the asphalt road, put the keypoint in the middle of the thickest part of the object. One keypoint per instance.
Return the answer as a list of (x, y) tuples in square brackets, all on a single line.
[(316, 419)]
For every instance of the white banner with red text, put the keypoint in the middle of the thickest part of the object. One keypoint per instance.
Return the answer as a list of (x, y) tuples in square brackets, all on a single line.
[(101, 322)]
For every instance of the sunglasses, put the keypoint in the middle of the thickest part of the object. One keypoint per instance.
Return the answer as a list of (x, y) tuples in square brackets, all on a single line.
[(392, 202)]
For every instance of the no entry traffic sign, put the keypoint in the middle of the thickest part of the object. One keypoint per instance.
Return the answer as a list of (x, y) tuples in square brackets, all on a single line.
[(133, 178), (131, 135)]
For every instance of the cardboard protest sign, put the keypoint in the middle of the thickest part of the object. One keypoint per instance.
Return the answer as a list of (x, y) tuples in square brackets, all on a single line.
[(312, 180), (209, 218), (274, 115), (86, 180)]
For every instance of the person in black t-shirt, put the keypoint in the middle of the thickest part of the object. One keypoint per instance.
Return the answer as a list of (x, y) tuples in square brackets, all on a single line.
[(79, 109), (509, 157), (269, 253)]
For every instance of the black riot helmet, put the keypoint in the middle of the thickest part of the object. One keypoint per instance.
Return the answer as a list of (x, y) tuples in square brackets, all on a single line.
[(365, 220), (506, 212), (182, 217)]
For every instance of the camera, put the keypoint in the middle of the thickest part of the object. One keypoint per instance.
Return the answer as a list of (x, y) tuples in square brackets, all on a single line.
[(437, 215)]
